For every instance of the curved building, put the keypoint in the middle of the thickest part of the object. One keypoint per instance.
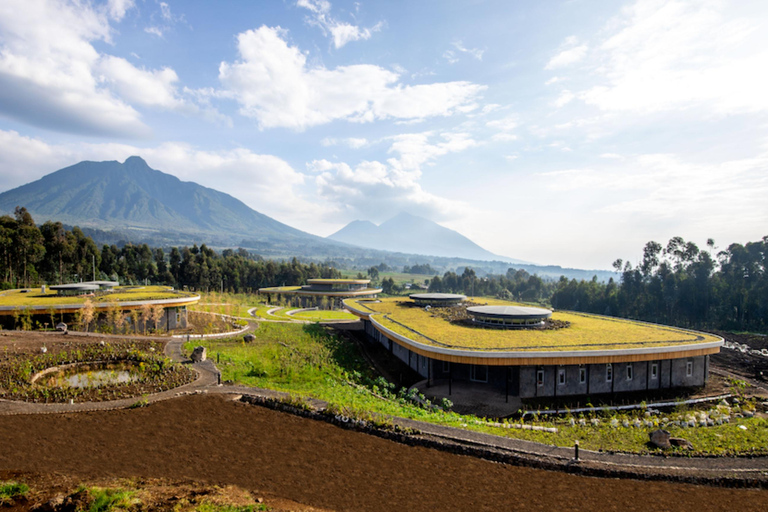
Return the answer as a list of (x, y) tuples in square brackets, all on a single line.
[(64, 302), (322, 292), (437, 300), (506, 346)]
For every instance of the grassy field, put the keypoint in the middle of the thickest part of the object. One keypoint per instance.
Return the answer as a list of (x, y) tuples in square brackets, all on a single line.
[(232, 304), (323, 315), (586, 332), (24, 298), (307, 361), (397, 277)]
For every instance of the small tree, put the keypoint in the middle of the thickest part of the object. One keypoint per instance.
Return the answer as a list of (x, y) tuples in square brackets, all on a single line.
[(87, 312), (156, 313), (146, 315), (135, 320)]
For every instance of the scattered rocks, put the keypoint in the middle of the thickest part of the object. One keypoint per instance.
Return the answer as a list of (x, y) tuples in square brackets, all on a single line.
[(249, 338), (681, 443), (661, 438), (199, 354)]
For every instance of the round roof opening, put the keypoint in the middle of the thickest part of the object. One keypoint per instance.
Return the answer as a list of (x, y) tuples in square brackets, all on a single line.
[(509, 316), (437, 299)]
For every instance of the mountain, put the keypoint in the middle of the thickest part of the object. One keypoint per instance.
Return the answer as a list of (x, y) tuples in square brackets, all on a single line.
[(129, 202), (412, 234), (134, 199)]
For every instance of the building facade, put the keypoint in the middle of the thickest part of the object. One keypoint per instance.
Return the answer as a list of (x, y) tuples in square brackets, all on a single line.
[(678, 358)]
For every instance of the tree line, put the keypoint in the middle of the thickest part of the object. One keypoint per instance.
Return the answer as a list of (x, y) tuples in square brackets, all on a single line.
[(50, 254), (681, 284)]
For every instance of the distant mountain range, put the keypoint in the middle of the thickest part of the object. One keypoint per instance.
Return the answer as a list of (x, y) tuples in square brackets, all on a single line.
[(412, 234), (117, 202)]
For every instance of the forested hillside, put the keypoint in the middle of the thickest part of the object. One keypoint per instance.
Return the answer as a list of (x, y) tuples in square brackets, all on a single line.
[(677, 284), (51, 254), (683, 285)]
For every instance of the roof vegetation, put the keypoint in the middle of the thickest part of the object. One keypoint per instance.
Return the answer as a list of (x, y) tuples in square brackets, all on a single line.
[(586, 332), (22, 298)]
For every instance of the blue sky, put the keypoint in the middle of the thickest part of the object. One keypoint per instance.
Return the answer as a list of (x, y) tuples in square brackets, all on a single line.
[(567, 132)]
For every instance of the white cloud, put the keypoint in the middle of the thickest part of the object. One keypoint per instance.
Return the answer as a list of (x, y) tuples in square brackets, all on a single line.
[(274, 85), (504, 128), (46, 69), (155, 31), (667, 190), (266, 183), (352, 142), (563, 99), (341, 32), (165, 11), (452, 56), (141, 86), (554, 80), (659, 56), (570, 53), (52, 76), (375, 190), (118, 8)]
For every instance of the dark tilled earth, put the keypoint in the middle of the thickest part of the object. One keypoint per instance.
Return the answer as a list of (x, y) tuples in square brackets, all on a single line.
[(211, 440)]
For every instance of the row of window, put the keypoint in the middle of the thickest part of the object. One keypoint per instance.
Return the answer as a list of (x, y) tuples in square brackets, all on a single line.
[(630, 368), (479, 373)]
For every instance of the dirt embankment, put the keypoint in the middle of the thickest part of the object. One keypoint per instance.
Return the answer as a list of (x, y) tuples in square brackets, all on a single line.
[(209, 439)]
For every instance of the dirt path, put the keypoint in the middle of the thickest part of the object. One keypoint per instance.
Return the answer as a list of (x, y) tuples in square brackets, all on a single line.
[(209, 439)]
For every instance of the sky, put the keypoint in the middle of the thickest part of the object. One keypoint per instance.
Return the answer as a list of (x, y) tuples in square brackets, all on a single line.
[(562, 132)]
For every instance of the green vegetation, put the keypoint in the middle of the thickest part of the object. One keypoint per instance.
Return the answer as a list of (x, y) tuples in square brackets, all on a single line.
[(230, 304), (10, 491), (682, 285), (323, 315), (308, 361), (24, 298), (153, 372), (103, 499), (261, 311), (586, 332), (304, 359)]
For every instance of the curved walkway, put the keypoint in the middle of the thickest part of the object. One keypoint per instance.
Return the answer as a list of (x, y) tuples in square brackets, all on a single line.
[(744, 470)]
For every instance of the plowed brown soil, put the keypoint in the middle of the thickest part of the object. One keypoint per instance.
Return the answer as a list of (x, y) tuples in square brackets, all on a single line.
[(209, 439)]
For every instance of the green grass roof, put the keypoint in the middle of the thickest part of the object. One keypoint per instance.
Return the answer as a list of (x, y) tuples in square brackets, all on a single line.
[(34, 297), (586, 332)]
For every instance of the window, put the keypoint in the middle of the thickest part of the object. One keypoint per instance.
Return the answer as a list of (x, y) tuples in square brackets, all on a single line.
[(608, 372), (629, 371), (540, 378), (689, 368), (582, 375), (654, 371), (478, 373), (446, 366), (560, 376)]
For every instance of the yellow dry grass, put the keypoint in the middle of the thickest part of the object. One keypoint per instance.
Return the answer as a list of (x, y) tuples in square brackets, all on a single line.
[(279, 289), (34, 297), (586, 332)]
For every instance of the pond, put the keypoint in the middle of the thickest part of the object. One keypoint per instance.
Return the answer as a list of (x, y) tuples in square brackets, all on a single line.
[(91, 375)]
